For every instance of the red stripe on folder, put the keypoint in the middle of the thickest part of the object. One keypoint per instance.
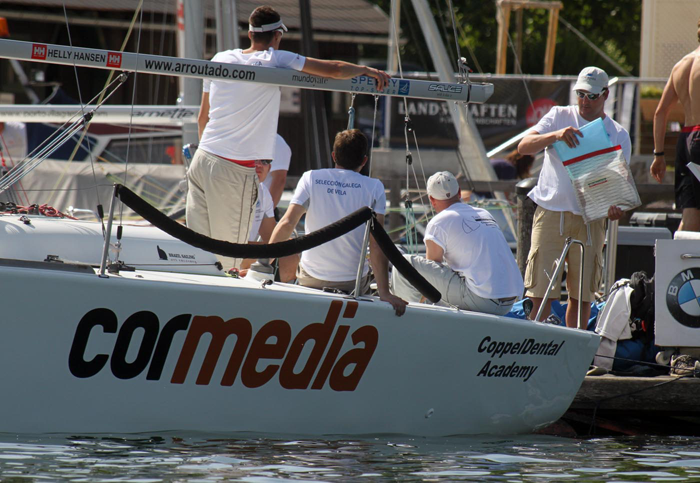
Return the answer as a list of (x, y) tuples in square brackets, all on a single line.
[(593, 154)]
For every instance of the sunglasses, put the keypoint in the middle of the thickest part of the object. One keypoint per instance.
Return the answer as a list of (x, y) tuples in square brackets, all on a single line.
[(264, 162), (591, 97)]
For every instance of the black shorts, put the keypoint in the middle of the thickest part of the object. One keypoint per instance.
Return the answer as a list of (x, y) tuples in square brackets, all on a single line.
[(687, 185)]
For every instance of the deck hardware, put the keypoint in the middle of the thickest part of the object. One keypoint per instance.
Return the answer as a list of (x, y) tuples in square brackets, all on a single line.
[(559, 266)]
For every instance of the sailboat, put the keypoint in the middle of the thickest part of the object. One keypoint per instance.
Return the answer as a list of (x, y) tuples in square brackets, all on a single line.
[(164, 340)]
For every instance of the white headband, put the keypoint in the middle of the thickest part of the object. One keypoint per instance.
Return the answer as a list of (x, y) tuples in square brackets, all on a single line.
[(268, 28)]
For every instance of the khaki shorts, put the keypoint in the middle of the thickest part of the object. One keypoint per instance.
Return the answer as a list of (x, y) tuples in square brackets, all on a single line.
[(306, 280), (549, 233), (221, 199)]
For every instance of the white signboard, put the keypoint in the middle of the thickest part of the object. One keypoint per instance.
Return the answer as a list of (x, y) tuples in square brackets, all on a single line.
[(677, 287)]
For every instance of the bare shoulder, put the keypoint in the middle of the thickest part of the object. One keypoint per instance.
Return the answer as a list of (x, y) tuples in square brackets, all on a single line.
[(686, 62)]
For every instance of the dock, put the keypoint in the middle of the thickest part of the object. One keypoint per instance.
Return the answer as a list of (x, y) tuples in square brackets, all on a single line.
[(615, 405)]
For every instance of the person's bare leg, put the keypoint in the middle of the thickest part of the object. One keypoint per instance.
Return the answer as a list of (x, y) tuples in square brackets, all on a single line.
[(536, 302), (690, 220), (572, 313)]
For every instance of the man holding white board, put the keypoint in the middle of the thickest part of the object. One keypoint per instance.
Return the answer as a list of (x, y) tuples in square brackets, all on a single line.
[(558, 215)]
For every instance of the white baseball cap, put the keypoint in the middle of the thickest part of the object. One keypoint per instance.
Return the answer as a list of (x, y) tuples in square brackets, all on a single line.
[(592, 79), (442, 185)]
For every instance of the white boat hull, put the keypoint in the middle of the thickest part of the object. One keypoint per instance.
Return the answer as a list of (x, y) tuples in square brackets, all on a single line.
[(84, 354), (146, 247)]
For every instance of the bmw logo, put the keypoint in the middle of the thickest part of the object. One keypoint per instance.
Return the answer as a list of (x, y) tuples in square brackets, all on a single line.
[(683, 297)]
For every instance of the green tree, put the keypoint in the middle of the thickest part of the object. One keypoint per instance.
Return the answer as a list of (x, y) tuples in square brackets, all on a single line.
[(613, 26)]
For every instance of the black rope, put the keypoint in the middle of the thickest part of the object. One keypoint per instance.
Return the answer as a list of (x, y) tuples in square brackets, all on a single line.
[(236, 250), (285, 248), (402, 265)]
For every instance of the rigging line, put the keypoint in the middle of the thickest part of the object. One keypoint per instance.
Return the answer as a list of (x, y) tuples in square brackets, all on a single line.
[(463, 37), (454, 29), (407, 122), (395, 33), (595, 47), (80, 99), (374, 124), (7, 150), (45, 151), (420, 163), (133, 101), (48, 146), (441, 17), (120, 79)]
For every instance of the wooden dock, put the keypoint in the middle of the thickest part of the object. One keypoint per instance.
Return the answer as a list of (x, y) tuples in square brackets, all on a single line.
[(664, 405)]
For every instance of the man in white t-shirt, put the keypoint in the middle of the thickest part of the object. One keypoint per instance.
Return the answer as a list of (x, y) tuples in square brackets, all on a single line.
[(237, 128), (277, 178), (13, 143), (327, 195), (558, 215), (467, 258), (264, 218)]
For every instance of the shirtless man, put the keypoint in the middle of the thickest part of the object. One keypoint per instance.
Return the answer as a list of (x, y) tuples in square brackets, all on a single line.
[(683, 86)]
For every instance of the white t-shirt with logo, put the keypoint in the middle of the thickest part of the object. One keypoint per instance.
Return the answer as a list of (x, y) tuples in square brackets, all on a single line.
[(554, 190), (474, 246), (264, 208), (329, 195), (243, 115), (13, 143)]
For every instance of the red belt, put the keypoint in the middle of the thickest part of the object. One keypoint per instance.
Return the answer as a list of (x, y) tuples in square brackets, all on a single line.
[(691, 128), (248, 163)]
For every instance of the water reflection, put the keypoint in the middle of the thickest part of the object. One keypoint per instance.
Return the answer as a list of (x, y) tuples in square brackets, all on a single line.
[(265, 458)]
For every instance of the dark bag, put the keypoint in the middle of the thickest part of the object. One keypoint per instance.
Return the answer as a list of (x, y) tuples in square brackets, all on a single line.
[(642, 307)]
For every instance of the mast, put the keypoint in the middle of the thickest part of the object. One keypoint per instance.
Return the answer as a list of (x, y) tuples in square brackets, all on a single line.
[(194, 49), (471, 147), (227, 37)]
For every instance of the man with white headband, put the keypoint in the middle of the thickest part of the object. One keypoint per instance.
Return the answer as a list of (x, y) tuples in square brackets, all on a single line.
[(237, 129)]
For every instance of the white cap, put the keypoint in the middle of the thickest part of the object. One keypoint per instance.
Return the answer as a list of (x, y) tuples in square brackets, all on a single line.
[(268, 28), (442, 185), (592, 79)]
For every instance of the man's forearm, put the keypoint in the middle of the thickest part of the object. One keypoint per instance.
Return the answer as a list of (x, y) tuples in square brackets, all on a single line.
[(534, 143), (282, 231)]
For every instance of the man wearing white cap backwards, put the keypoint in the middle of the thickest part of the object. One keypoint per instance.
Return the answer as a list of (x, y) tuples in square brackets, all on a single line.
[(237, 129), (467, 257), (558, 216)]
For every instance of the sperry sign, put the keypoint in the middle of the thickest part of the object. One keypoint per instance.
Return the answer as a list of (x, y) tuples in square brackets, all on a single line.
[(271, 353)]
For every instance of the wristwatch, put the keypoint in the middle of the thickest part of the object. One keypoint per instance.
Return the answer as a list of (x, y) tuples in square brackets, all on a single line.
[(658, 153)]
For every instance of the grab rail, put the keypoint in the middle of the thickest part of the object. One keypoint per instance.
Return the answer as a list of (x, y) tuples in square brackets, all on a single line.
[(559, 266)]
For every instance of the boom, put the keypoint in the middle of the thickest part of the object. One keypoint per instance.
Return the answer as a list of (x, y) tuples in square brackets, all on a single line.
[(203, 69)]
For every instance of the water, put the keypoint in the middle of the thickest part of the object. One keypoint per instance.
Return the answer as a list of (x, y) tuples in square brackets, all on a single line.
[(263, 458)]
